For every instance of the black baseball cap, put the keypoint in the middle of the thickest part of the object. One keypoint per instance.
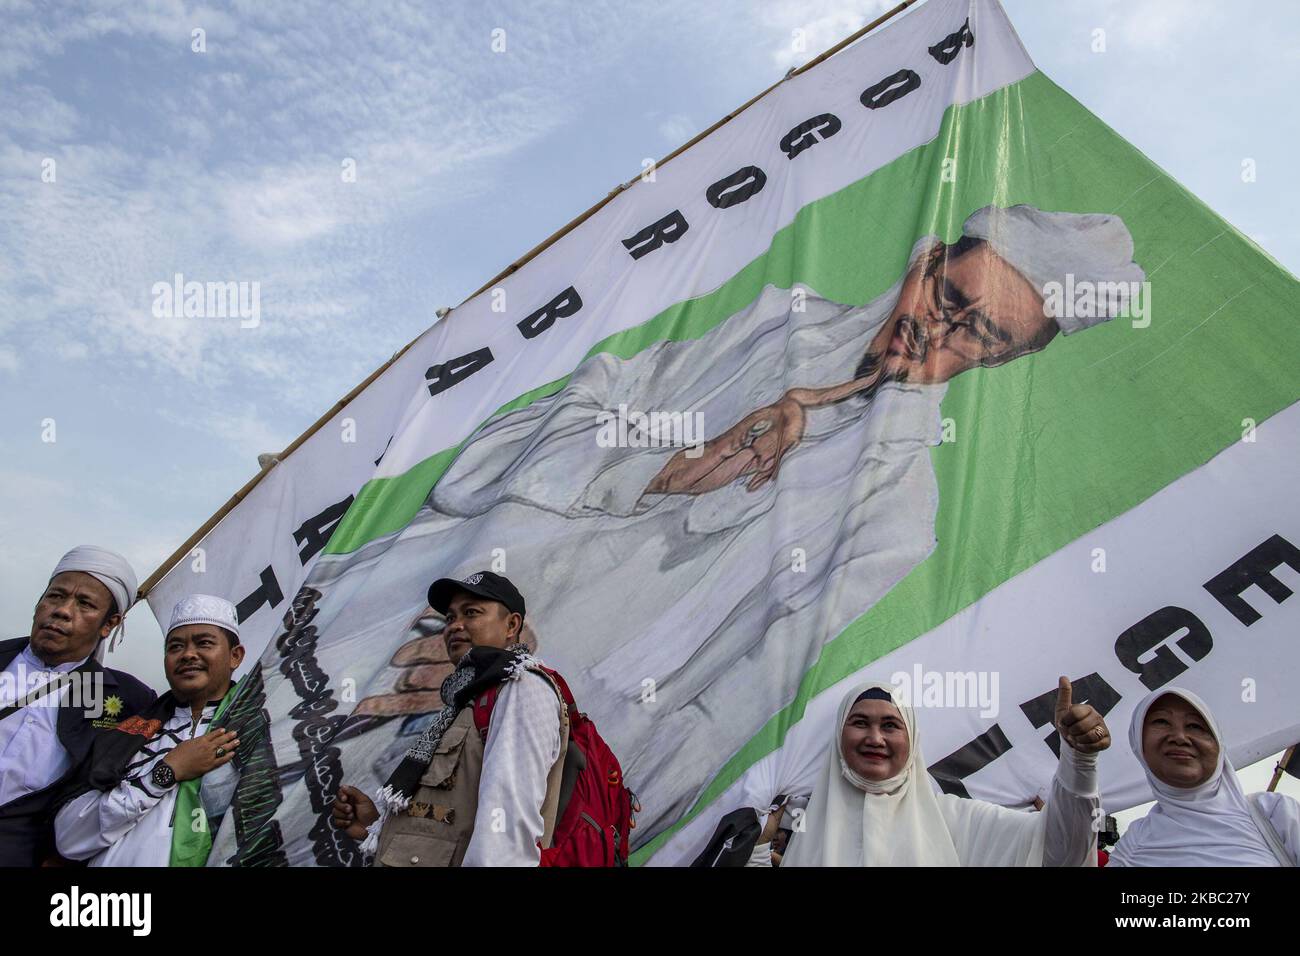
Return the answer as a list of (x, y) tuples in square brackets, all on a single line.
[(484, 584)]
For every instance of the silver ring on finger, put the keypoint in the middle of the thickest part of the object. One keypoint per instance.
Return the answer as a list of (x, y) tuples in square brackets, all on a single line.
[(221, 751), (1099, 732)]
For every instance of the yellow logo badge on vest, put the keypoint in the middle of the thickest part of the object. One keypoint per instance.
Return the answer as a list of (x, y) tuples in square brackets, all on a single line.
[(112, 711)]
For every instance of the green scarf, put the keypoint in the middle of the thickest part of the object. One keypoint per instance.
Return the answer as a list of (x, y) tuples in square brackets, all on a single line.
[(191, 847)]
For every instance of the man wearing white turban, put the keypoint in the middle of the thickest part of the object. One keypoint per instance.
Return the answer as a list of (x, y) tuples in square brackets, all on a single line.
[(992, 296), (874, 804), (666, 584), (1201, 817), (46, 726)]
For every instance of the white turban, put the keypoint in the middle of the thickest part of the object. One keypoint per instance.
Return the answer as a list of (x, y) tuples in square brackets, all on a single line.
[(111, 570), (205, 609), (1047, 247)]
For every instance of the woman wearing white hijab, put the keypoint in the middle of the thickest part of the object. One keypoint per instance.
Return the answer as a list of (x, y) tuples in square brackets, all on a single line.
[(875, 805), (1201, 816)]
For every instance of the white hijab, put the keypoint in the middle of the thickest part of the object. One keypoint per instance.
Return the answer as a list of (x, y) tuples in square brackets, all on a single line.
[(1209, 825), (852, 821)]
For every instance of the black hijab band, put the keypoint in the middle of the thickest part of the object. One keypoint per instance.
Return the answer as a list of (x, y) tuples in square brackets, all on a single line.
[(875, 693)]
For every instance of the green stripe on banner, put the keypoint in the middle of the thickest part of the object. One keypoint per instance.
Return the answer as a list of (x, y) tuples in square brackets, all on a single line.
[(1068, 438)]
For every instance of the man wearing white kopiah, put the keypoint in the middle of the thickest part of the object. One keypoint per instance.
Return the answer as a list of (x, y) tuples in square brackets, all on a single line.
[(666, 583), (151, 791)]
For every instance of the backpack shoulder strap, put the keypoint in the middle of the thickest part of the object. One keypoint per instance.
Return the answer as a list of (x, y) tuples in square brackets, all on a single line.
[(482, 706), (486, 701), (558, 683)]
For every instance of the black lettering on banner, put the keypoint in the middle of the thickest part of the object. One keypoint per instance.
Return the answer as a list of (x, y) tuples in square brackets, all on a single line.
[(734, 189), (891, 88), (258, 794), (961, 763), (806, 134), (315, 532), (1255, 568), (946, 50), (1151, 632), (268, 593), (1092, 689), (385, 451), (453, 372), (315, 728), (561, 307), (668, 229)]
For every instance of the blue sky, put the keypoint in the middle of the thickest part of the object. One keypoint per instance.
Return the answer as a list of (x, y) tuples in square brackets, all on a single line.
[(226, 165)]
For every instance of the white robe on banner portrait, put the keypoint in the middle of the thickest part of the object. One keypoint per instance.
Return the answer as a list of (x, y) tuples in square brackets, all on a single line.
[(683, 621)]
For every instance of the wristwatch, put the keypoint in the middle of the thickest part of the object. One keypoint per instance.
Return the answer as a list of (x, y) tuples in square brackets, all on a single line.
[(163, 776)]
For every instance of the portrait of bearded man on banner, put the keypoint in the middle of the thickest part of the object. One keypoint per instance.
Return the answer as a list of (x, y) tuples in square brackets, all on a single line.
[(685, 593)]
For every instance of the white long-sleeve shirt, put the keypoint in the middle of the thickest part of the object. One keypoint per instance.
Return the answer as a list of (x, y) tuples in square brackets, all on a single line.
[(1063, 834), (1283, 813), (130, 825), (31, 756), (1073, 811), (523, 743), (1239, 846)]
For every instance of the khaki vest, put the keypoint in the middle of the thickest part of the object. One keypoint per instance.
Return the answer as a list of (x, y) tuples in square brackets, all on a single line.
[(436, 828)]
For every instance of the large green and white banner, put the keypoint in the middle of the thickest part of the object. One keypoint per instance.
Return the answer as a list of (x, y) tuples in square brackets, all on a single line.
[(913, 370)]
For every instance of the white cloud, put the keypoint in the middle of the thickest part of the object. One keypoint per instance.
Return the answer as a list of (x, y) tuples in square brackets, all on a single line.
[(239, 424), (1158, 26), (230, 170), (30, 35), (38, 115), (280, 210), (678, 129), (806, 28)]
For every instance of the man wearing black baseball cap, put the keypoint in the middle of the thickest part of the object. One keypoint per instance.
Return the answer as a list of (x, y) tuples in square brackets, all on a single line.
[(465, 794), (483, 610)]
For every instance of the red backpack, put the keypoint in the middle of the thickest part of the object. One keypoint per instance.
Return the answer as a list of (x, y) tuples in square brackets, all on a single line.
[(594, 817)]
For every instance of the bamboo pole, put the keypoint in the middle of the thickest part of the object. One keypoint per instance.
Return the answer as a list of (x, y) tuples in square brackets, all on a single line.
[(1278, 771), (515, 266)]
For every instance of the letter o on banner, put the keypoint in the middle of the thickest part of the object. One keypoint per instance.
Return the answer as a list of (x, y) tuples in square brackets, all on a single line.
[(736, 188), (893, 87)]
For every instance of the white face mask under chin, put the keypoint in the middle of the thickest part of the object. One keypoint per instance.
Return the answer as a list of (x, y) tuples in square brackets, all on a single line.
[(886, 787)]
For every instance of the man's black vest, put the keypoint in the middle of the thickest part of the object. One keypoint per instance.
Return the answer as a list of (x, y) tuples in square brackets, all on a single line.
[(27, 823)]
